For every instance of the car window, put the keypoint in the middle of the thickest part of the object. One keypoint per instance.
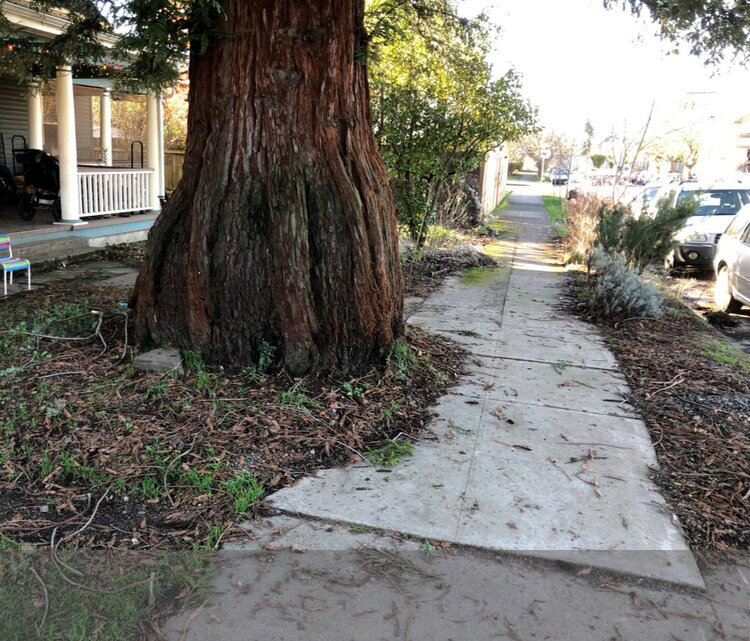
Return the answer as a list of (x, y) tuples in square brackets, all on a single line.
[(650, 194), (746, 235), (715, 202), (737, 227)]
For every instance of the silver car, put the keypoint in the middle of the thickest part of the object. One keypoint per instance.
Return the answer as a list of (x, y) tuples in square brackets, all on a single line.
[(732, 264)]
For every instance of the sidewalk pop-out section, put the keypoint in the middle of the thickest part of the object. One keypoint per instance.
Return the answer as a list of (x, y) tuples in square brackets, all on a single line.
[(535, 451)]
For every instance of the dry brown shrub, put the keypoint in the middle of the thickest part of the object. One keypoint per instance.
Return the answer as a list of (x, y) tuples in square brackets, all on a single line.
[(581, 220)]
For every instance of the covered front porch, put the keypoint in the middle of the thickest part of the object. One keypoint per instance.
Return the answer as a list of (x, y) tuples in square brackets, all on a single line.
[(71, 119)]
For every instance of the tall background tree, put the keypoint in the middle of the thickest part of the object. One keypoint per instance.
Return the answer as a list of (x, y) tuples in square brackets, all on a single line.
[(588, 130), (282, 233), (437, 109)]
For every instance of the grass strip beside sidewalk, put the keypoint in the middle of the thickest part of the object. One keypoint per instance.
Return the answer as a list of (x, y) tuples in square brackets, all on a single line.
[(555, 209)]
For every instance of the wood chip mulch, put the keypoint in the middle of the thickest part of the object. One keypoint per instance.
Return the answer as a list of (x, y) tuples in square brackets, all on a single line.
[(698, 413)]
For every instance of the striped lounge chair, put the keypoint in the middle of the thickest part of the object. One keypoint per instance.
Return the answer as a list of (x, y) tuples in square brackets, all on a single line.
[(11, 264)]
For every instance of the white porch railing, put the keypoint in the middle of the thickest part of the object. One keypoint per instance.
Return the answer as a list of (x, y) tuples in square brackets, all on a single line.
[(112, 191)]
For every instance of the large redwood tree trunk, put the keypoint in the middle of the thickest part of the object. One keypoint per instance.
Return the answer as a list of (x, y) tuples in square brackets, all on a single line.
[(282, 231)]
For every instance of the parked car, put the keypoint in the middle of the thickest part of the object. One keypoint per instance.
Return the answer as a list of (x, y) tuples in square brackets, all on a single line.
[(558, 176), (732, 264), (717, 204)]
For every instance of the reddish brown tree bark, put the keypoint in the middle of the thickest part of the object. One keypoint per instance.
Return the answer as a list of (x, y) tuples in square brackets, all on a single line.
[(282, 230)]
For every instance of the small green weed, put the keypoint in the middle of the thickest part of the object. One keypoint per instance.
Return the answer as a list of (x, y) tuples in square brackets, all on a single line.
[(157, 390), (193, 362), (293, 396), (389, 411), (213, 538), (149, 488), (202, 481), (427, 548), (245, 489), (560, 366), (265, 355), (402, 358), (353, 391), (390, 453)]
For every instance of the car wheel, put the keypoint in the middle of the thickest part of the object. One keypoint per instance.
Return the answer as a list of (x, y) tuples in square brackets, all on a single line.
[(26, 206), (723, 293), (672, 267)]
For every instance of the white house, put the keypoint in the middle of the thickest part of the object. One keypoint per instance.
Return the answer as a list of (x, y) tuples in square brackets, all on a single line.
[(89, 183)]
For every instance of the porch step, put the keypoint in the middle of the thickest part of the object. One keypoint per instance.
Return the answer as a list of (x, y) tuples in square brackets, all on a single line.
[(60, 248), (59, 245)]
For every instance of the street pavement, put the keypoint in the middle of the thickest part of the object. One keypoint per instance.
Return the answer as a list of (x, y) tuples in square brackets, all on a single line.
[(526, 512)]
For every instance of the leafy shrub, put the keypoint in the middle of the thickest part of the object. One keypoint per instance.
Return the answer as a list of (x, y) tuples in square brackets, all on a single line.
[(619, 290), (645, 239), (598, 160)]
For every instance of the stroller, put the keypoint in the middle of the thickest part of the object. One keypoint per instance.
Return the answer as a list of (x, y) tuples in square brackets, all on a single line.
[(7, 186), (7, 183), (41, 174)]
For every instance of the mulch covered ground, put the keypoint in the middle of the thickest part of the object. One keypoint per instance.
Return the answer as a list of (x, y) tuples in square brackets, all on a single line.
[(694, 393), (122, 459)]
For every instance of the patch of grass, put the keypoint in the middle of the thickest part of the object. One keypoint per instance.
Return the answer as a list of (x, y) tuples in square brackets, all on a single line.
[(477, 275), (390, 453), (560, 230), (58, 319), (150, 488), (245, 490), (503, 204), (201, 480), (554, 206), (116, 608), (726, 353), (7, 544), (82, 473)]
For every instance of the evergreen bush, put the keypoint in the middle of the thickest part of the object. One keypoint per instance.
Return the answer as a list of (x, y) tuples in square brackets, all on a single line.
[(619, 290)]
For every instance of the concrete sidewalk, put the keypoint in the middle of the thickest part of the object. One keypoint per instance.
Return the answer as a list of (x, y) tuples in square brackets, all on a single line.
[(535, 451), (525, 513)]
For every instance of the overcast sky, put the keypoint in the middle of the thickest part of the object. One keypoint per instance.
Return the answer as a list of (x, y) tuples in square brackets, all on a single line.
[(581, 61)]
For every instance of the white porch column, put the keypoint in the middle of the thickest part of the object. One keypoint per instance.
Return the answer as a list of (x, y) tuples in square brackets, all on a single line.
[(105, 125), (36, 118), (153, 147), (68, 156), (162, 175)]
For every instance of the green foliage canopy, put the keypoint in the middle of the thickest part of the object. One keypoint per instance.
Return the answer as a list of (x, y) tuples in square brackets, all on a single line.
[(437, 110), (144, 41), (710, 28)]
